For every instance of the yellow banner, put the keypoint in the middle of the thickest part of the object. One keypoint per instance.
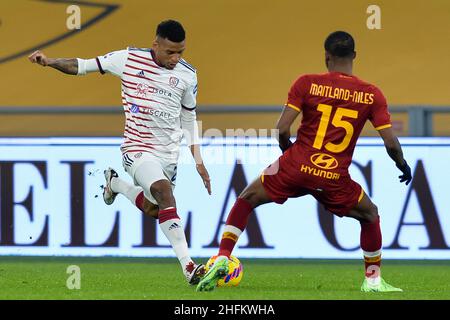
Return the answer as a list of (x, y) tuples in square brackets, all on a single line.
[(246, 52)]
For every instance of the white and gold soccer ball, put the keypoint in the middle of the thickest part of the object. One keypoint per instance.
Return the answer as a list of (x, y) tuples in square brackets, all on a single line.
[(235, 272)]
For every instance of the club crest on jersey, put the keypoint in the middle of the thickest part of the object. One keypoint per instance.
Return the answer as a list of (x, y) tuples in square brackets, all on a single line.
[(173, 81), (138, 155), (134, 108)]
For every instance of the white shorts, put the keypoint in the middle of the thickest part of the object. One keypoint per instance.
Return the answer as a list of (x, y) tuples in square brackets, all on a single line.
[(145, 169)]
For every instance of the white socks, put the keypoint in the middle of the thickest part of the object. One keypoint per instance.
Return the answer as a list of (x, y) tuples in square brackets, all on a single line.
[(170, 224), (128, 190)]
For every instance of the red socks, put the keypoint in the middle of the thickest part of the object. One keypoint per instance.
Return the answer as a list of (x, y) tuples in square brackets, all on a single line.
[(236, 223), (167, 214), (371, 245), (139, 202), (163, 215), (239, 214)]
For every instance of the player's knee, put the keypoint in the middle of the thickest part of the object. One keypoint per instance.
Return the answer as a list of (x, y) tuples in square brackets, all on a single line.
[(372, 214), (250, 196), (151, 209), (162, 191), (157, 190)]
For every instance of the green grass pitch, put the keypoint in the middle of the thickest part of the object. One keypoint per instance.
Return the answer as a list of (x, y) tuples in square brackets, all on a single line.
[(161, 279)]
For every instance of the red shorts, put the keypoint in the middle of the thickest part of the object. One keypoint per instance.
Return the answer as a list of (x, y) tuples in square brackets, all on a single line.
[(283, 179)]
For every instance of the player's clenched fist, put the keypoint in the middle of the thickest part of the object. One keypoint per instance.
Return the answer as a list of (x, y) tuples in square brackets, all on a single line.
[(38, 57)]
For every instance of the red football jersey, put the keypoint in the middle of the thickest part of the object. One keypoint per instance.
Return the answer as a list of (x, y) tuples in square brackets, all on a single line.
[(335, 107)]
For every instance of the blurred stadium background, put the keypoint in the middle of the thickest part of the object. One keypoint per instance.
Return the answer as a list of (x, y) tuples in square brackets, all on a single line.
[(247, 54)]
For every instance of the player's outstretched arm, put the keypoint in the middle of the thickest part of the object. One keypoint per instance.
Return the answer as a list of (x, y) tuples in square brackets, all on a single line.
[(284, 124), (189, 125), (394, 151), (68, 66), (200, 166)]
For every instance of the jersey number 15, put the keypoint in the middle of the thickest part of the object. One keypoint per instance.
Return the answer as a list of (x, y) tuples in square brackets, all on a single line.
[(338, 123)]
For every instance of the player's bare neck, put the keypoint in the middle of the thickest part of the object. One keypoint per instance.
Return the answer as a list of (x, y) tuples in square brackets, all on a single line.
[(155, 59), (347, 69), (342, 65)]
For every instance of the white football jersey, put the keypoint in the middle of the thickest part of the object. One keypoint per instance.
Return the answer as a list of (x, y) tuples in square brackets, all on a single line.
[(153, 98)]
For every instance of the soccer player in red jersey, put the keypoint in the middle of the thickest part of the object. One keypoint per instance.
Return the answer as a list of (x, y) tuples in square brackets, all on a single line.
[(335, 107)]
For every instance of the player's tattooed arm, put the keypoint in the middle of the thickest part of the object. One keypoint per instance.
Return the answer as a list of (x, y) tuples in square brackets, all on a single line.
[(284, 127), (68, 66)]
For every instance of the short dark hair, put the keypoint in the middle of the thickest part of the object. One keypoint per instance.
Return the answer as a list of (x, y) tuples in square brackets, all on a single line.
[(171, 30), (340, 44)]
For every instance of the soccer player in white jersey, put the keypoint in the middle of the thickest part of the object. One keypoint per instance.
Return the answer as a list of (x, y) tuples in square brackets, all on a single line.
[(159, 98)]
